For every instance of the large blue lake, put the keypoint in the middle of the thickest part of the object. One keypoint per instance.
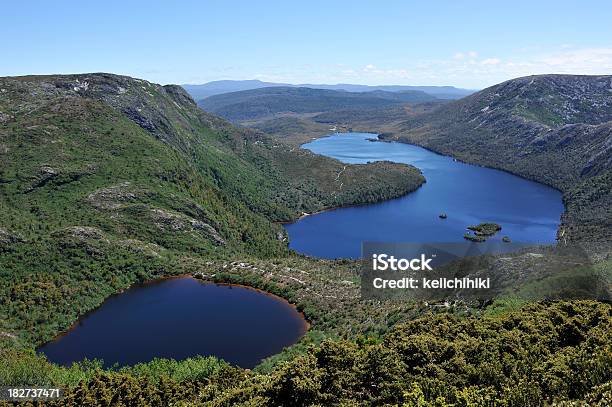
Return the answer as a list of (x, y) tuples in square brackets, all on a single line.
[(180, 318), (528, 211)]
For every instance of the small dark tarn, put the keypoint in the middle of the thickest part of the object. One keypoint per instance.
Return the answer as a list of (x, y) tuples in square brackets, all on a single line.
[(180, 318)]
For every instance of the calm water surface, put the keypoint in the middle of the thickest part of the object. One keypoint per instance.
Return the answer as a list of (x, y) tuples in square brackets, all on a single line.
[(468, 194), (178, 318)]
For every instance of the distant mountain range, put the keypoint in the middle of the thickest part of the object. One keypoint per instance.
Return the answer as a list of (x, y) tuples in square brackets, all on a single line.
[(217, 87), (256, 104)]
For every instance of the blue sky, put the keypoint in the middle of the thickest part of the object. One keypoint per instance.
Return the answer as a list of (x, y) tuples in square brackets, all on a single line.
[(463, 43)]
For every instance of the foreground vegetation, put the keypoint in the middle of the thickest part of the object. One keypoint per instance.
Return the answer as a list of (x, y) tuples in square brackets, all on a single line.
[(539, 354)]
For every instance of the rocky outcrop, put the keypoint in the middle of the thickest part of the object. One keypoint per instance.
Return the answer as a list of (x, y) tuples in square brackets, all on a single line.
[(83, 233), (113, 197), (138, 246), (170, 221), (92, 239), (164, 111), (8, 239), (46, 174)]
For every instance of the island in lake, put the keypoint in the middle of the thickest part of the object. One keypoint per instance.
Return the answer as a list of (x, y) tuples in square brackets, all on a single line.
[(482, 231)]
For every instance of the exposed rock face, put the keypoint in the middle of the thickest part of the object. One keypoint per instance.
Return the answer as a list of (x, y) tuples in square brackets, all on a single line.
[(124, 195), (8, 335), (113, 197), (530, 125), (182, 223), (7, 239), (138, 246), (4, 118), (46, 174), (555, 99), (162, 110), (92, 239), (84, 233)]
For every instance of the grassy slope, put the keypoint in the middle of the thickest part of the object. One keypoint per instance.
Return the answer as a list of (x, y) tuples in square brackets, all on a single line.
[(291, 128), (298, 129)]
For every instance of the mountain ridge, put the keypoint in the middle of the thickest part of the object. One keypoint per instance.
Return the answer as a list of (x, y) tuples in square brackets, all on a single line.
[(224, 86), (257, 104)]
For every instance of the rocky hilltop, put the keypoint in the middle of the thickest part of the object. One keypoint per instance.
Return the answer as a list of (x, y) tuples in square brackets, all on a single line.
[(556, 129)]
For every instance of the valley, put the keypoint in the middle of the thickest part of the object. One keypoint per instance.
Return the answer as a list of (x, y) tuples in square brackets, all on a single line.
[(109, 181), (553, 129), (111, 194), (306, 204)]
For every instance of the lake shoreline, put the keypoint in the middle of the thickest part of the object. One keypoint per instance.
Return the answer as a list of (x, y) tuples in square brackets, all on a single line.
[(470, 193), (306, 324), (437, 152), (562, 225), (334, 208)]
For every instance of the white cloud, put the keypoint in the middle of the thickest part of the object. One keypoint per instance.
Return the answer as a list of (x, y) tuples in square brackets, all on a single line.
[(463, 69), (490, 61), (484, 71), (587, 61)]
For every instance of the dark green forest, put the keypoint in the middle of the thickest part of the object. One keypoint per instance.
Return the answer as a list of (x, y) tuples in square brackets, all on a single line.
[(527, 357)]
